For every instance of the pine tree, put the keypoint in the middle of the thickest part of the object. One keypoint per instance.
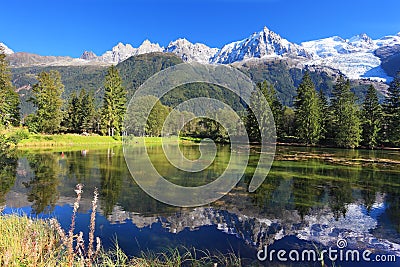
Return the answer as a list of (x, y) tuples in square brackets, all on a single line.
[(267, 91), (325, 116), (345, 117), (47, 99), (156, 118), (80, 113), (275, 105), (252, 127), (113, 103), (392, 112), (307, 111), (9, 99), (371, 118), (71, 121), (88, 121), (288, 122)]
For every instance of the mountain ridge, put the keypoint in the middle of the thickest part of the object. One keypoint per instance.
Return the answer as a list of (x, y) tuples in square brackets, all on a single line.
[(355, 57)]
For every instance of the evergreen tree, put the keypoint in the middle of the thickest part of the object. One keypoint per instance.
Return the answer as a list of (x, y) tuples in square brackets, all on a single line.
[(267, 91), (9, 99), (275, 105), (288, 121), (72, 119), (251, 124), (371, 118), (47, 99), (113, 103), (80, 113), (325, 116), (392, 112), (156, 118), (88, 121), (345, 119), (308, 111)]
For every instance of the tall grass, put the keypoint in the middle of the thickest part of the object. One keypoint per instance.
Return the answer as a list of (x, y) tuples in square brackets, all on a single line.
[(35, 242), (27, 242)]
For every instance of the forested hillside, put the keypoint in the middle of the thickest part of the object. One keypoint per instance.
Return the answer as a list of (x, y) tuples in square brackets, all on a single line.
[(135, 70)]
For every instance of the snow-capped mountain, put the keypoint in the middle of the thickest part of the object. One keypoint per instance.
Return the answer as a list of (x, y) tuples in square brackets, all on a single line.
[(265, 43), (389, 40), (120, 52), (191, 52), (362, 41), (7, 50), (357, 57)]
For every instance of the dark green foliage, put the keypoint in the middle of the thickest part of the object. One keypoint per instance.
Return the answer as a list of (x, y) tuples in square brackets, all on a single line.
[(81, 113), (155, 120), (371, 118), (136, 70), (325, 117), (286, 79), (274, 103), (308, 115), (111, 179), (194, 90), (276, 73), (392, 113), (288, 122), (89, 119), (254, 129), (43, 187), (9, 99), (345, 120), (114, 103), (136, 116), (73, 77), (8, 167), (72, 118), (47, 99)]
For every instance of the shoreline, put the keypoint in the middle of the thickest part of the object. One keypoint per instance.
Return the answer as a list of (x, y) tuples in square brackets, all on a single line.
[(45, 141)]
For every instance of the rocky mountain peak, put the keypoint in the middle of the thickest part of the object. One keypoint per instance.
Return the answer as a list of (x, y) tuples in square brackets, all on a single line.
[(362, 40), (121, 48), (191, 52), (148, 47), (258, 45), (88, 55)]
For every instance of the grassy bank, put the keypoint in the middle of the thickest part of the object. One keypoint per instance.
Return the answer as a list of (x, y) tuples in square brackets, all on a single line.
[(57, 140), (35, 242), (76, 140)]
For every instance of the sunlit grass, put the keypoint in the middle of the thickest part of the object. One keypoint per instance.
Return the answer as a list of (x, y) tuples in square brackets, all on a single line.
[(34, 242), (27, 242), (63, 140)]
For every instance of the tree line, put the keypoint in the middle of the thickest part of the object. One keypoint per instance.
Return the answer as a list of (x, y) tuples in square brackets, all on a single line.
[(79, 114), (337, 121), (315, 119)]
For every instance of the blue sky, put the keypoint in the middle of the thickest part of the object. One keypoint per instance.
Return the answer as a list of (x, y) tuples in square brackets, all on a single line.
[(68, 27)]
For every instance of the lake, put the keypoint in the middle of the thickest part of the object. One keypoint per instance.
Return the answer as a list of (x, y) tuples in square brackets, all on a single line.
[(311, 198)]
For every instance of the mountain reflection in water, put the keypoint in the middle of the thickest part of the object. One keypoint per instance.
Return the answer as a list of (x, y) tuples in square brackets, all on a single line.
[(302, 201)]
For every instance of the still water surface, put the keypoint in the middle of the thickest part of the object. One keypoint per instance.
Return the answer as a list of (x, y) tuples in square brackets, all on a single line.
[(311, 197)]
